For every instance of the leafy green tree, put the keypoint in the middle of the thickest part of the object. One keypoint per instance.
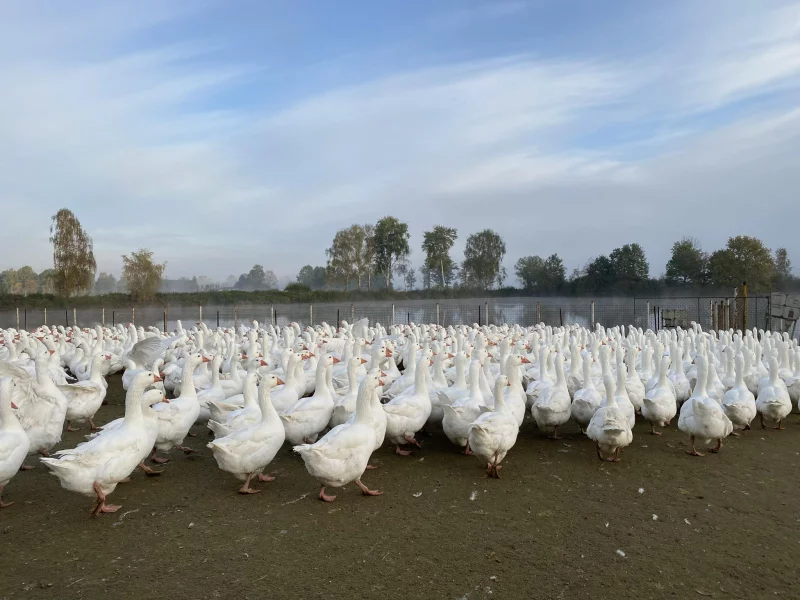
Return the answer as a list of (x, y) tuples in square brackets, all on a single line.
[(343, 256), (553, 274), (257, 279), (528, 270), (629, 264), (142, 275), (437, 244), (9, 281), (312, 277), (483, 260), (600, 275), (46, 281), (688, 265), (28, 281), (744, 258), (73, 256), (391, 245)]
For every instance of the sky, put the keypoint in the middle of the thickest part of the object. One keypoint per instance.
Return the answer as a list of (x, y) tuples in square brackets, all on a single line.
[(225, 133)]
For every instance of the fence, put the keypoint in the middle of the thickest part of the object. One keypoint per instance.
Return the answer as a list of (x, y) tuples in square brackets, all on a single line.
[(641, 312)]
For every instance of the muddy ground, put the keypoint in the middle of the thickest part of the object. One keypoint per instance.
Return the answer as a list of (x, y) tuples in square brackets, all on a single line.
[(555, 526)]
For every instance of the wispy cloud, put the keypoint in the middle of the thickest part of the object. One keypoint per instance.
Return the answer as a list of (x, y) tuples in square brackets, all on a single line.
[(172, 142)]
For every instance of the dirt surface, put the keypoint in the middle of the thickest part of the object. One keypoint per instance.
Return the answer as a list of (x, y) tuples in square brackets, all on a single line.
[(555, 526)]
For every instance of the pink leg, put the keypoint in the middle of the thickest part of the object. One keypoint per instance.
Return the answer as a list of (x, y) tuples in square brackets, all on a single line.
[(694, 451), (397, 450), (186, 449), (26, 468), (325, 497), (148, 471), (366, 491), (70, 428), (246, 489), (101, 506), (266, 477), (157, 459), (555, 435), (411, 440), (716, 448), (3, 504), (190, 434), (44, 452), (467, 451), (371, 467), (92, 426)]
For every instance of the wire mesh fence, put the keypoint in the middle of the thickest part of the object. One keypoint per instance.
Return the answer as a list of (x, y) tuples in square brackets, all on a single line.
[(653, 313)]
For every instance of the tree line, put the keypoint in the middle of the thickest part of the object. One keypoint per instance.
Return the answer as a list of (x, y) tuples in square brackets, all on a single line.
[(370, 257)]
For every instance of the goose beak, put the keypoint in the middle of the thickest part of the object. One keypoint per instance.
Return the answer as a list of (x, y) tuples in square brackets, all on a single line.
[(380, 382), (336, 360), (263, 363), (389, 353), (156, 378), (14, 406), (281, 382), (205, 359), (363, 361), (525, 361), (164, 400)]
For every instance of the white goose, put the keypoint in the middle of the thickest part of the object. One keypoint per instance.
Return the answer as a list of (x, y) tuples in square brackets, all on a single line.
[(459, 416), (246, 452), (305, 420), (85, 398), (702, 417), (609, 426), (773, 402), (407, 414), (494, 432), (738, 402), (659, 405), (95, 467), (553, 406), (14, 442), (342, 455), (587, 399)]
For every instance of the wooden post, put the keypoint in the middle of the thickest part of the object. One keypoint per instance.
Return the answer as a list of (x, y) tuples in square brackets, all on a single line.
[(486, 312), (235, 318), (26, 319), (74, 317), (592, 312), (744, 306), (103, 317), (712, 313), (18, 318), (201, 312), (392, 314), (165, 317), (66, 317), (560, 317), (133, 316), (538, 312), (648, 316), (311, 314), (437, 315), (45, 316), (352, 313)]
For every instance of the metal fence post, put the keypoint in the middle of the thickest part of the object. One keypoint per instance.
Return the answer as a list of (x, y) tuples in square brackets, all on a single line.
[(113, 318), (66, 317), (217, 319), (479, 315), (201, 313), (311, 314), (235, 318), (18, 318), (392, 314), (634, 318), (647, 312), (486, 313), (698, 310), (744, 306), (165, 318), (338, 320), (103, 317)]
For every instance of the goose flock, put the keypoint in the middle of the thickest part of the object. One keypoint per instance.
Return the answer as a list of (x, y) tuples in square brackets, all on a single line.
[(338, 394)]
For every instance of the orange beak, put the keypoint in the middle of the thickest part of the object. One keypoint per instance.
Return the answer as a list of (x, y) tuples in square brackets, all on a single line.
[(280, 382), (383, 374), (205, 359), (525, 361), (450, 356), (363, 361), (336, 360), (380, 382), (263, 363), (156, 378), (161, 375), (388, 353), (164, 400), (14, 405)]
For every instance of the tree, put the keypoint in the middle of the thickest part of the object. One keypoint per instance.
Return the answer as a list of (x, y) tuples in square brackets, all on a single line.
[(483, 258), (553, 274), (783, 267), (391, 245), (73, 256), (688, 265), (28, 281), (437, 244), (406, 272), (257, 279), (629, 264), (744, 258), (599, 274), (343, 257), (45, 279), (105, 284), (312, 277), (142, 275), (528, 270), (367, 253), (9, 281)]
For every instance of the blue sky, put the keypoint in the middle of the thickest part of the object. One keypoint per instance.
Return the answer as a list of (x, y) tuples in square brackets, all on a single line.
[(226, 133)]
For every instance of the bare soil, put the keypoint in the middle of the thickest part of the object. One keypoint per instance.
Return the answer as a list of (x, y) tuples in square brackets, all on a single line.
[(559, 524)]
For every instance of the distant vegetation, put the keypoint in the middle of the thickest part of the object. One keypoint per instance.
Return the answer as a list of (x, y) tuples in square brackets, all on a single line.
[(363, 262)]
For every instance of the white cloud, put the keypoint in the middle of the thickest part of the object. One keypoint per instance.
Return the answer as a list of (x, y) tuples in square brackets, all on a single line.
[(524, 144)]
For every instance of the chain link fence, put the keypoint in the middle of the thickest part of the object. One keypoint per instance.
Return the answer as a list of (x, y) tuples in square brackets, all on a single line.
[(653, 313)]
